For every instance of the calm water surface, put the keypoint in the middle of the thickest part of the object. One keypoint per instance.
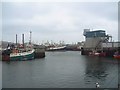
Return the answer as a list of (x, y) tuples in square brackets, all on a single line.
[(61, 70)]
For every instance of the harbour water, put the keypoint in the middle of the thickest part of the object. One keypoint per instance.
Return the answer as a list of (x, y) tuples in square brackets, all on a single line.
[(66, 69)]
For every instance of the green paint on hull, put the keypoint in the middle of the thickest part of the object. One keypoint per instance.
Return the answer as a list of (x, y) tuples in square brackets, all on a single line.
[(21, 58)]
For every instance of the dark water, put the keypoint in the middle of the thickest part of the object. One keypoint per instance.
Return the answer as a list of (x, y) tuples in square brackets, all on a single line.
[(0, 74), (61, 70)]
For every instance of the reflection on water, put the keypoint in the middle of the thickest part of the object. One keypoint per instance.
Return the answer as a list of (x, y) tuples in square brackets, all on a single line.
[(61, 70), (101, 70), (0, 74), (96, 70)]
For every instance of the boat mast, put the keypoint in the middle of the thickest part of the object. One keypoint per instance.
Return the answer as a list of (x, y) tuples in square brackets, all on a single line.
[(16, 39), (23, 40), (30, 37)]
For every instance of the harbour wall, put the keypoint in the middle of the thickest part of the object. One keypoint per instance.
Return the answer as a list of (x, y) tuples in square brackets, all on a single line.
[(108, 48), (108, 51), (39, 51), (39, 54)]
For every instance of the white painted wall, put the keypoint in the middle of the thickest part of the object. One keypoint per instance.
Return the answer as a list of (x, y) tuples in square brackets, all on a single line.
[(92, 42), (110, 44)]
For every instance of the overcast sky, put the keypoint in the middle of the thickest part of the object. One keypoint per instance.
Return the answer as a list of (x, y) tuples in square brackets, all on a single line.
[(57, 21)]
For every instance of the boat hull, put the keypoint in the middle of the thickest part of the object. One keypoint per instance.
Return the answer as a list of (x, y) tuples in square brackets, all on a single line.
[(22, 57), (117, 56), (97, 54), (57, 49), (18, 56), (5, 57)]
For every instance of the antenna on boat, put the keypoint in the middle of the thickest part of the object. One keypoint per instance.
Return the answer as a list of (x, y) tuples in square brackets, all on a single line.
[(30, 37)]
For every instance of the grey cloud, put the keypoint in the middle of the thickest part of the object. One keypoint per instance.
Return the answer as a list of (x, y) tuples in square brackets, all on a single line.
[(57, 20)]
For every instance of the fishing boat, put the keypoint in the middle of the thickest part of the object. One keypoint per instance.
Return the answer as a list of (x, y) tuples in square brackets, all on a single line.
[(8, 56), (102, 54), (28, 55), (56, 48), (116, 55), (18, 52), (95, 53)]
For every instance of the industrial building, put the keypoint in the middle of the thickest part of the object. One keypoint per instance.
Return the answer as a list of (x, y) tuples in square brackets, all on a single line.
[(98, 41), (94, 39)]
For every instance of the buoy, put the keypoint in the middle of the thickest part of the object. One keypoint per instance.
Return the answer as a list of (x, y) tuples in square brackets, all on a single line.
[(97, 85)]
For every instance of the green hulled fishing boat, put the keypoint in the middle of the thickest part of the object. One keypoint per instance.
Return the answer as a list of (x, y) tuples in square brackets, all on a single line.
[(29, 55), (19, 51)]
